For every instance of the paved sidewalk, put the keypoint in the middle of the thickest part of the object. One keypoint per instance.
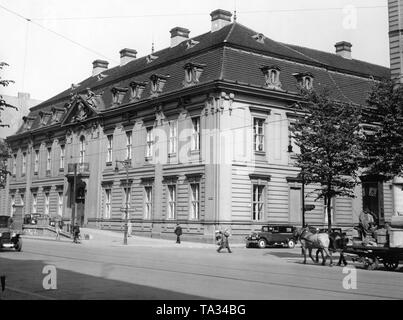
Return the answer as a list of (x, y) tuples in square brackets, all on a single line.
[(99, 237)]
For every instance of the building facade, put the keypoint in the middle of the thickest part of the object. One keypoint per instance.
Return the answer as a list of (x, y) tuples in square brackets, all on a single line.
[(204, 125)]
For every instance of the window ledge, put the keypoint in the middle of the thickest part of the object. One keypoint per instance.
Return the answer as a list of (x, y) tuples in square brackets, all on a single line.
[(260, 153), (195, 152), (172, 155), (36, 173), (61, 169), (148, 159), (109, 163)]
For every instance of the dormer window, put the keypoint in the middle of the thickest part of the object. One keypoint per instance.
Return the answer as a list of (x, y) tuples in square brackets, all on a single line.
[(136, 90), (57, 114), (150, 58), (157, 84), (191, 43), (117, 95), (193, 72), (272, 77), (44, 117), (304, 80), (259, 37), (28, 121)]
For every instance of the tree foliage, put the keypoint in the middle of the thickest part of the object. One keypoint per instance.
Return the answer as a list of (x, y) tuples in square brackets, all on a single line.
[(330, 139), (3, 103), (384, 144)]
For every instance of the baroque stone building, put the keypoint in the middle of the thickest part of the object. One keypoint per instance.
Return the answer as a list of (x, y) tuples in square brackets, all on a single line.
[(204, 125)]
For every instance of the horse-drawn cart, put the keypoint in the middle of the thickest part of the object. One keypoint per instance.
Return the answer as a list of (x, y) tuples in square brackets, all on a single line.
[(372, 256)]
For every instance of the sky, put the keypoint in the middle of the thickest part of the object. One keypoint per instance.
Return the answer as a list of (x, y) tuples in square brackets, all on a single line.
[(58, 45)]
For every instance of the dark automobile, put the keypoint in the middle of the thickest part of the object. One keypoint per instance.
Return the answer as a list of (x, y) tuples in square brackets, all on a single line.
[(10, 235), (272, 236)]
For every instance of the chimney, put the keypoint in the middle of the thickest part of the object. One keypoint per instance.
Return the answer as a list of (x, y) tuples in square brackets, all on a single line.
[(220, 18), (99, 66), (178, 35), (343, 49), (396, 39), (127, 55)]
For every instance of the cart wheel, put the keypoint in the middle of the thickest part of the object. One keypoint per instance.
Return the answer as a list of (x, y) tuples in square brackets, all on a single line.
[(391, 264)]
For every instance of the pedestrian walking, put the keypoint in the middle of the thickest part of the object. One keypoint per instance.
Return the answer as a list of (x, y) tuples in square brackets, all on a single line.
[(178, 232), (76, 233), (129, 229), (223, 242), (57, 229)]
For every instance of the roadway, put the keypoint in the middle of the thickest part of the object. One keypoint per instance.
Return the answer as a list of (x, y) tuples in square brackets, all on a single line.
[(155, 269)]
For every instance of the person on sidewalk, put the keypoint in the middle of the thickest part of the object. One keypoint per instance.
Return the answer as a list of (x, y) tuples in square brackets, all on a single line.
[(178, 232), (57, 229), (224, 241), (76, 233)]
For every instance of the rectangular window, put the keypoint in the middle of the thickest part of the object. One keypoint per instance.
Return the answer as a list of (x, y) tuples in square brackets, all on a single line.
[(60, 204), (171, 201), (82, 150), (129, 145), (148, 202), (22, 197), (194, 201), (173, 129), (150, 142), (258, 134), (108, 201), (24, 163), (34, 202), (14, 165), (62, 155), (36, 162), (12, 205), (258, 202), (196, 133), (127, 198), (47, 203), (110, 148), (49, 160)]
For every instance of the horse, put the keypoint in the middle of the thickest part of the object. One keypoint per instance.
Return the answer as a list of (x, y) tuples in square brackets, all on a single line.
[(338, 243), (311, 241)]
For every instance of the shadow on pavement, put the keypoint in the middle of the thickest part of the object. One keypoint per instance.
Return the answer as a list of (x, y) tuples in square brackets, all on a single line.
[(24, 281)]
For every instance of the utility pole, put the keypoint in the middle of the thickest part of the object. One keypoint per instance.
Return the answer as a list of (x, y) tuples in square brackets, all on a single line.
[(73, 214), (126, 164)]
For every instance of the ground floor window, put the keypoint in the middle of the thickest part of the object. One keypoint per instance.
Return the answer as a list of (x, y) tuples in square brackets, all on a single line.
[(171, 201), (47, 200), (34, 202), (12, 205), (258, 202), (194, 201), (60, 204), (148, 202), (108, 201)]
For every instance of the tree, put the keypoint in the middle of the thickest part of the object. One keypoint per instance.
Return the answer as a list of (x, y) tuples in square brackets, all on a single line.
[(384, 143), (329, 137)]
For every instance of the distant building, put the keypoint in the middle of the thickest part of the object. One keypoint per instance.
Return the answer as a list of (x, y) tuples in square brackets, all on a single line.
[(204, 125), (13, 117)]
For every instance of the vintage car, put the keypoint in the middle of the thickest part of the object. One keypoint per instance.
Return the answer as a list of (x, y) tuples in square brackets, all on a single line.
[(272, 235), (10, 234)]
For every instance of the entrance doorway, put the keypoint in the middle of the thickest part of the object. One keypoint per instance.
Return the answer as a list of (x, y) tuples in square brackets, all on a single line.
[(372, 198)]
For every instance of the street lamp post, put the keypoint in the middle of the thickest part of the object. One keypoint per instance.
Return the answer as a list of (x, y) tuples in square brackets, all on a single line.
[(126, 165)]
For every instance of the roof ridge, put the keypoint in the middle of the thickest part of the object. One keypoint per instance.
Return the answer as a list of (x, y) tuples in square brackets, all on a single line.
[(332, 53)]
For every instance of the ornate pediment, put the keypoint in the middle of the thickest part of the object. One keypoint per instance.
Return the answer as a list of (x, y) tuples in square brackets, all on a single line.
[(80, 110)]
